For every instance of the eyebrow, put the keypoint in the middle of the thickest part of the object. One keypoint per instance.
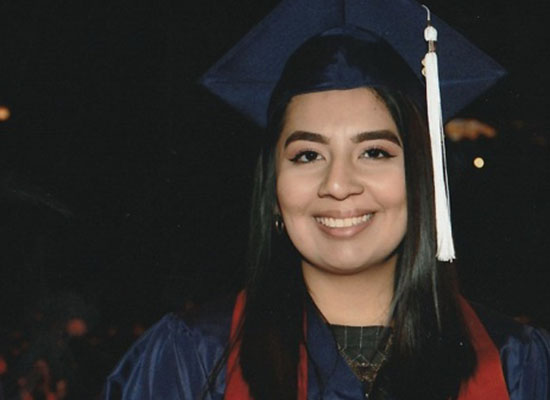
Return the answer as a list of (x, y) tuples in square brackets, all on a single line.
[(360, 137), (304, 135), (374, 135)]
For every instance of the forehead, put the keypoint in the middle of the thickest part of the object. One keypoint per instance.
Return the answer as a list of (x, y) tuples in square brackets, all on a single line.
[(338, 111)]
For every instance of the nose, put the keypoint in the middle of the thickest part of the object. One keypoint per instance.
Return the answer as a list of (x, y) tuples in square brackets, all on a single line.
[(340, 181)]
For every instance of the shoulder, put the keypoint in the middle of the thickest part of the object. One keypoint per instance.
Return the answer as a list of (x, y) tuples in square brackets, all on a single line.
[(524, 353), (174, 358)]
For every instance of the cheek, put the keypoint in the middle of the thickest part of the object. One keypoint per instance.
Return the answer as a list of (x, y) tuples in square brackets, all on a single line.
[(395, 193), (294, 194), (391, 194), (389, 187), (397, 197)]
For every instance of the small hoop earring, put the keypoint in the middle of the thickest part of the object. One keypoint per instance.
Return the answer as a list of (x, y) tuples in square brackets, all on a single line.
[(279, 224)]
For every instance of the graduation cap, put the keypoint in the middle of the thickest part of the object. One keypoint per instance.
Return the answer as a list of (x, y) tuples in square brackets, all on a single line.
[(248, 74)]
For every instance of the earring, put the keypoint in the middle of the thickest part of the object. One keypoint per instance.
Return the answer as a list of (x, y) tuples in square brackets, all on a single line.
[(279, 224)]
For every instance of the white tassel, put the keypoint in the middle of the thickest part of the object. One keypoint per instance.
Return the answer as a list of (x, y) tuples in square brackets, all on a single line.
[(445, 246)]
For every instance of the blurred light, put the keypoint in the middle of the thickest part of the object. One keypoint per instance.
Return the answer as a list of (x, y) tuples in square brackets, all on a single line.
[(479, 162), (138, 329), (4, 113), (76, 327), (3, 366), (468, 129)]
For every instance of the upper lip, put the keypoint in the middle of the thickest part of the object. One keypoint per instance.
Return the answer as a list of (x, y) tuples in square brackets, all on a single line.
[(342, 213)]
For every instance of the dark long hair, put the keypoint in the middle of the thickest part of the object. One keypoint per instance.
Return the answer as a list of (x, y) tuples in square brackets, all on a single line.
[(432, 353)]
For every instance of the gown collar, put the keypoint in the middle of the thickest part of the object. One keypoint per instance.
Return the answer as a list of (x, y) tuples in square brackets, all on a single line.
[(327, 369)]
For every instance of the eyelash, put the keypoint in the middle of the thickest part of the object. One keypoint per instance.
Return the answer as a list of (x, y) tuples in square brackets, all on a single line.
[(378, 154), (296, 158)]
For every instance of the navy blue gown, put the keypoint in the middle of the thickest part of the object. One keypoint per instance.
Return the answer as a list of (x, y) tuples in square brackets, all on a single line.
[(174, 358)]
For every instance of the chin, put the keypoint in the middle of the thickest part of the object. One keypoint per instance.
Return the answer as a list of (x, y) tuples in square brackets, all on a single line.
[(348, 267)]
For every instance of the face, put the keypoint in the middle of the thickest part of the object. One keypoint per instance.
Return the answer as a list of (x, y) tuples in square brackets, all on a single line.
[(341, 180)]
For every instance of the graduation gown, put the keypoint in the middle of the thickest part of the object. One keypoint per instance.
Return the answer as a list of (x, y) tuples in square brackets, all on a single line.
[(173, 360)]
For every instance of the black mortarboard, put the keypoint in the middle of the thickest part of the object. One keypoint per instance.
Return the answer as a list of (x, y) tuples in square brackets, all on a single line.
[(246, 75), (314, 45)]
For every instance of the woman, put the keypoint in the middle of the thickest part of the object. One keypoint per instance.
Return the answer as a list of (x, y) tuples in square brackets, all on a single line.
[(344, 297)]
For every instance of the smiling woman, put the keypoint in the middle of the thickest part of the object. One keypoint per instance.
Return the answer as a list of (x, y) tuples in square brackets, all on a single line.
[(344, 298), (341, 193), (355, 180)]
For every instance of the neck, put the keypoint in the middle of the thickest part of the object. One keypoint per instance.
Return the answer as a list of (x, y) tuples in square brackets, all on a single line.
[(358, 299)]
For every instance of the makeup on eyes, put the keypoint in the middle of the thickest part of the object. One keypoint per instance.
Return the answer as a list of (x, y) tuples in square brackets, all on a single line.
[(308, 153), (377, 151)]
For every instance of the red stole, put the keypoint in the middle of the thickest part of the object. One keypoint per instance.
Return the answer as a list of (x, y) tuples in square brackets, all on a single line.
[(486, 383), (488, 380)]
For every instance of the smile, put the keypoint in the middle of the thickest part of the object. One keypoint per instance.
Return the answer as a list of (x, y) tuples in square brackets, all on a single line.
[(343, 222)]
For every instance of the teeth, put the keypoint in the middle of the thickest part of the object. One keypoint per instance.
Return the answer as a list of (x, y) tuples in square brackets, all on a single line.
[(343, 222)]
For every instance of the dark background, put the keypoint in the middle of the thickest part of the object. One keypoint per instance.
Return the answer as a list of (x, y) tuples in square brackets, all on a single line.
[(125, 185)]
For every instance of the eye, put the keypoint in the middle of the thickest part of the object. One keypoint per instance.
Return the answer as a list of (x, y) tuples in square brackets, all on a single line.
[(305, 157), (376, 153)]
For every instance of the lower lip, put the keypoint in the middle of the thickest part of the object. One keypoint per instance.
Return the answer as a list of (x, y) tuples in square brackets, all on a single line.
[(346, 232)]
